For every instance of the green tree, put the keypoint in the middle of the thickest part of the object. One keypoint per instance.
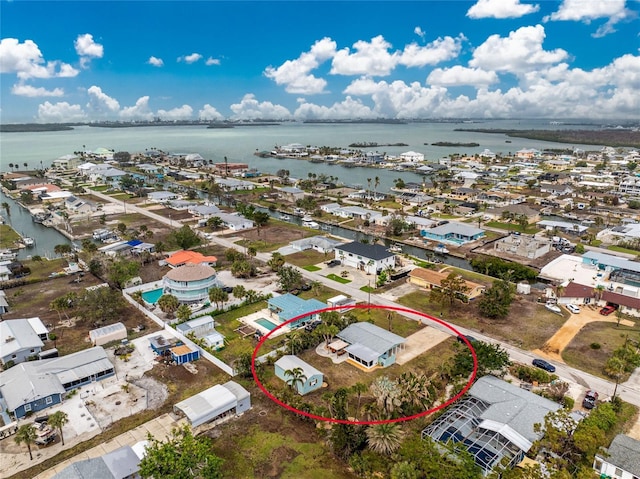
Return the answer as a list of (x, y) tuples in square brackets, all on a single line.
[(492, 358), (101, 305), (327, 331), (27, 435), (215, 222), (122, 270), (89, 246), (168, 303), (183, 313), (387, 394), (57, 420), (359, 389), (451, 288), (62, 249), (289, 278), (496, 301), (384, 438), (239, 291), (276, 262), (294, 341), (218, 296), (260, 218), (242, 268), (185, 237), (180, 456)]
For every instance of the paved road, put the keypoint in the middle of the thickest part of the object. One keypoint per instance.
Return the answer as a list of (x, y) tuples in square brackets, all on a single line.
[(628, 391)]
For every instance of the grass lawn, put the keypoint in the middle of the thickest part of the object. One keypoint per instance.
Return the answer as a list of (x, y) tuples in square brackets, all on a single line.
[(399, 324), (307, 258), (390, 205), (8, 236), (311, 268), (528, 326), (620, 249), (530, 229), (339, 279), (580, 354), (368, 289)]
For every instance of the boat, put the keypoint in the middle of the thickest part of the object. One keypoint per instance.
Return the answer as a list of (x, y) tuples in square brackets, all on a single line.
[(311, 224), (395, 249), (441, 249), (553, 308), (28, 242), (7, 254), (285, 217), (196, 307)]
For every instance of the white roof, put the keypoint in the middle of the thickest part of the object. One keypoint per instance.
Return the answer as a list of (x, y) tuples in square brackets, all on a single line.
[(210, 403), (107, 330), (17, 335), (289, 362)]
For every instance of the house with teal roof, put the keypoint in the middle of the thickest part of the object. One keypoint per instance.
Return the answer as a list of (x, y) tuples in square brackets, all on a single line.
[(288, 306)]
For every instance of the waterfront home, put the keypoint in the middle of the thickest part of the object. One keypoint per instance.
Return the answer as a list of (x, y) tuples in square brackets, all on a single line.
[(414, 199), (288, 306), (412, 157), (369, 345), (291, 193), (310, 380), (191, 283), (66, 162), (235, 221), (430, 280), (215, 405), (162, 197), (204, 211), (522, 209), (371, 258), (351, 212), (453, 232), (322, 244), (620, 460), (194, 160), (108, 176), (182, 257), (77, 205), (233, 184), (181, 205), (36, 385), (21, 339), (527, 154), (480, 423), (564, 226), (463, 194)]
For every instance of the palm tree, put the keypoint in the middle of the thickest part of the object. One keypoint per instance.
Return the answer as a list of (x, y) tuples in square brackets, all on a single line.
[(359, 389), (27, 435), (294, 340), (168, 303), (296, 377), (376, 183), (384, 438), (598, 291), (57, 420), (6, 207)]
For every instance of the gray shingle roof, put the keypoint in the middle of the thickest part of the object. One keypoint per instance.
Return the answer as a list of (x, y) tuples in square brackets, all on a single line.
[(624, 453)]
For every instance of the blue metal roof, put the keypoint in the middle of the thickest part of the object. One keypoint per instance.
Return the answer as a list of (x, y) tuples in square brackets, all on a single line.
[(134, 242), (292, 306)]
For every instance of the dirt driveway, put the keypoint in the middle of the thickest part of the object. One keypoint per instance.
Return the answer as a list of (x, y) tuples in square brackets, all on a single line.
[(553, 348)]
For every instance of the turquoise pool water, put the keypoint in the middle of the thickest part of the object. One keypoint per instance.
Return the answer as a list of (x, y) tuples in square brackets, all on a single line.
[(152, 297), (265, 323)]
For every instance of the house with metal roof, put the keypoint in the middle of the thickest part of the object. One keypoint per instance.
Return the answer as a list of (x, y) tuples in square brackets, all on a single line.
[(370, 345), (453, 233), (288, 306), (310, 380), (215, 405), (371, 258), (494, 421), (203, 328), (235, 222), (123, 463), (323, 244), (21, 339), (37, 385), (622, 459), (107, 334)]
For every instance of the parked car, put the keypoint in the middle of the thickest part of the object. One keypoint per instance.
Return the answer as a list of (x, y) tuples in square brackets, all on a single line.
[(607, 310), (334, 262), (573, 308), (542, 364), (589, 401), (471, 339)]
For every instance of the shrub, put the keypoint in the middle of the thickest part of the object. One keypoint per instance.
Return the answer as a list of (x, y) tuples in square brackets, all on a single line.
[(595, 346)]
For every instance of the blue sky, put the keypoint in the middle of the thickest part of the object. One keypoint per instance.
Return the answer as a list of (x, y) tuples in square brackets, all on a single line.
[(92, 60)]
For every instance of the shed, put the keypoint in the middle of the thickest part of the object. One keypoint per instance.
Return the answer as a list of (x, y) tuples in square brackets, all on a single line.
[(107, 334), (161, 345), (310, 380), (341, 301), (214, 404), (184, 354)]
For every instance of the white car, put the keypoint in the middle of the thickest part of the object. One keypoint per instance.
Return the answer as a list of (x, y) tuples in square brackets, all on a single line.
[(573, 308)]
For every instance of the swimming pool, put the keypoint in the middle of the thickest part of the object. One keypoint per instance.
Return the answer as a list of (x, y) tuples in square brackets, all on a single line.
[(265, 323), (152, 297)]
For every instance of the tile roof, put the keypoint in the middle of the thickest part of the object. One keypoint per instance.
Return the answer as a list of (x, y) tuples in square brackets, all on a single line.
[(180, 257), (191, 272)]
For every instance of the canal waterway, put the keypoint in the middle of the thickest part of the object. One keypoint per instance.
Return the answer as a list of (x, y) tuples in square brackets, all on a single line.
[(21, 221)]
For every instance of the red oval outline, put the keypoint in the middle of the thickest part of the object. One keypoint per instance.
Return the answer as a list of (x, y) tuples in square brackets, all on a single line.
[(346, 421)]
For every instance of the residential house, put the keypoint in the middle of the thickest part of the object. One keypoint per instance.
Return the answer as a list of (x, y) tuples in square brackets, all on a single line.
[(524, 246), (21, 339), (4, 305), (77, 205), (162, 197), (232, 184), (204, 211), (481, 424), (499, 198), (288, 306), (464, 194), (430, 279), (412, 157), (521, 209), (182, 257), (291, 193), (36, 385), (235, 221), (202, 328), (453, 232), (564, 226), (527, 154), (190, 283), (371, 258), (311, 378), (215, 405), (322, 244), (109, 176), (370, 346), (621, 460), (414, 199), (123, 463), (66, 162)]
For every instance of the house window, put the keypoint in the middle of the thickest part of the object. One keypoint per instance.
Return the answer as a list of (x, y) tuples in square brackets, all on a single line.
[(48, 400), (313, 382), (27, 407), (618, 472)]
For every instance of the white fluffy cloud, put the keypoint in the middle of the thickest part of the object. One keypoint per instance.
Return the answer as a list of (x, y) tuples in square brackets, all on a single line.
[(139, 111), (344, 110), (369, 58), (155, 61), (440, 50), (459, 75), (250, 109), (33, 92), (61, 112), (26, 60), (418, 31), (295, 74), (518, 53), (87, 49), (184, 112), (208, 112), (588, 10), (501, 9), (194, 57), (212, 61), (100, 103)]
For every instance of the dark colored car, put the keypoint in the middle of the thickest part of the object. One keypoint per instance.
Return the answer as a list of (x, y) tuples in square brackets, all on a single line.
[(334, 262), (471, 339), (607, 310), (227, 289), (542, 364), (590, 399)]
